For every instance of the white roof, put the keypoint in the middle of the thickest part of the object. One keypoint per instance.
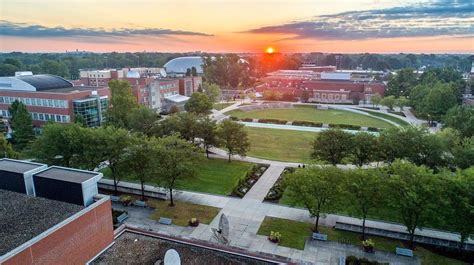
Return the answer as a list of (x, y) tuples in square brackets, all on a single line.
[(177, 98)]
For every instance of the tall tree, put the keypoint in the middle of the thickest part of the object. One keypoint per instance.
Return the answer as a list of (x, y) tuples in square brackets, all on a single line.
[(364, 148), (177, 161), (122, 103), (184, 123), (413, 192), (376, 99), (318, 189), (233, 137), (22, 124), (401, 83), (389, 102), (365, 189), (213, 92), (198, 103), (142, 120), (6, 150), (332, 146), (207, 132), (461, 118)]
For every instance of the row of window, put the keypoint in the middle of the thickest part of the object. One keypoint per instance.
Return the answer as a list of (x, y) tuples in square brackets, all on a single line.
[(330, 96), (168, 86), (41, 102), (41, 116), (170, 94)]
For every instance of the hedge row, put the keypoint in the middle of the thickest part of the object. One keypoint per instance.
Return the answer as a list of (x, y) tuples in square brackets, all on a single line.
[(247, 119), (345, 126), (373, 129), (351, 260), (274, 121), (307, 123)]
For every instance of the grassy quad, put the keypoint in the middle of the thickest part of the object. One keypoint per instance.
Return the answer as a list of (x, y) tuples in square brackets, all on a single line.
[(294, 235), (182, 212), (282, 145), (220, 106), (310, 113), (215, 176)]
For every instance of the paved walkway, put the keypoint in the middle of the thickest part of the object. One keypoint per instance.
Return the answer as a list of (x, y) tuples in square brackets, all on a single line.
[(264, 184)]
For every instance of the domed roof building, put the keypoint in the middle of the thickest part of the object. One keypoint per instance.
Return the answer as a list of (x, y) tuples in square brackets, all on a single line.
[(181, 64)]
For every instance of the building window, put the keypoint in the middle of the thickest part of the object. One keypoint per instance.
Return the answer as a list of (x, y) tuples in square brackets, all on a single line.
[(323, 96), (330, 96), (343, 97), (337, 96)]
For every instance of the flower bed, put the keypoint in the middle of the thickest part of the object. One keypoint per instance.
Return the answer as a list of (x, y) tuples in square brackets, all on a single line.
[(252, 177), (351, 260), (276, 192)]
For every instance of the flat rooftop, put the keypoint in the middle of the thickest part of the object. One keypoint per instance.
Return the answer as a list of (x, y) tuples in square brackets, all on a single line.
[(134, 248), (71, 89), (24, 217), (17, 166), (65, 174)]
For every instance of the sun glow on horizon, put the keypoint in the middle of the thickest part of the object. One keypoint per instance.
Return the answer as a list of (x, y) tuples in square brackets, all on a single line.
[(269, 50)]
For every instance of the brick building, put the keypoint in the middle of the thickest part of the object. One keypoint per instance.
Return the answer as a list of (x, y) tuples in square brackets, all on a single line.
[(39, 230), (52, 98)]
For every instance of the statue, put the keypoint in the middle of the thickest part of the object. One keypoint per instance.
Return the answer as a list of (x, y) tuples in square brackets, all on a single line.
[(222, 233)]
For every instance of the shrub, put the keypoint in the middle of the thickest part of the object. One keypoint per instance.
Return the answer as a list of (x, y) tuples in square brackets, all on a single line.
[(351, 260), (373, 129), (247, 119), (275, 237), (233, 118), (345, 126), (193, 222), (273, 121), (307, 123)]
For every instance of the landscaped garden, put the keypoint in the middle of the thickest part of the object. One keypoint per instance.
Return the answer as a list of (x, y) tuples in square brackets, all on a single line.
[(294, 235), (215, 176), (282, 145), (312, 114)]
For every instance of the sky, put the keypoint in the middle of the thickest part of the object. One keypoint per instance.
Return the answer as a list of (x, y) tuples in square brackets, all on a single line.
[(345, 26)]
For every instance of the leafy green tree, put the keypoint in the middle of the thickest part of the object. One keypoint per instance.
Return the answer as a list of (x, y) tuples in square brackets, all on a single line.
[(6, 150), (233, 137), (332, 146), (272, 95), (459, 211), (433, 100), (401, 83), (376, 99), (207, 132), (402, 102), (414, 192), (364, 148), (318, 189), (461, 118), (365, 188), (389, 102), (55, 67), (8, 69), (60, 144), (184, 123), (142, 120), (141, 161), (198, 103), (22, 124), (122, 103), (177, 161), (213, 92)]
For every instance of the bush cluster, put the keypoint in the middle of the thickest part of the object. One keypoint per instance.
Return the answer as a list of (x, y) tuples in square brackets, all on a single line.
[(351, 260), (307, 123), (345, 126), (276, 192), (273, 121)]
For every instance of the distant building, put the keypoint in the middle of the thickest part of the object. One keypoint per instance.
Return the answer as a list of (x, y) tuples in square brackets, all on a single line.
[(51, 215), (179, 66), (52, 98), (189, 84)]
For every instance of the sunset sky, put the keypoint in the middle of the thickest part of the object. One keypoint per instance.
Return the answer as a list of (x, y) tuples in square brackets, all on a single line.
[(346, 26)]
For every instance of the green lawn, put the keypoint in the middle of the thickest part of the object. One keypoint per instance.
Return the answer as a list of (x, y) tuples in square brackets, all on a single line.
[(310, 113), (388, 117), (294, 235), (215, 176), (220, 106), (182, 212), (282, 145)]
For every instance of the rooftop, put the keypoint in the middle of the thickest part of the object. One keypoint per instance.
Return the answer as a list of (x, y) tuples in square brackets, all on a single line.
[(66, 174), (181, 64), (71, 89), (42, 82), (134, 248), (17, 166), (24, 217)]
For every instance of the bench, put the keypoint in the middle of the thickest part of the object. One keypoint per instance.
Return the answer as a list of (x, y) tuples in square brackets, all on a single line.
[(122, 217), (114, 198), (165, 221), (139, 203), (319, 236), (404, 252)]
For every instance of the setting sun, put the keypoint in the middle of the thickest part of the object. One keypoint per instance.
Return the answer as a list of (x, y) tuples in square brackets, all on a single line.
[(269, 50)]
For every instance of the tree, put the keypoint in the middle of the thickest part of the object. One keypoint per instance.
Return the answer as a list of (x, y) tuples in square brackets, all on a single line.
[(433, 100), (233, 137), (401, 83), (376, 99), (142, 161), (177, 161), (185, 124), (207, 132), (22, 124), (213, 92), (272, 95), (6, 150), (318, 189), (60, 144), (413, 192), (332, 146), (402, 102), (461, 118), (365, 189), (364, 148), (142, 120), (121, 103), (389, 102), (198, 103), (459, 211)]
